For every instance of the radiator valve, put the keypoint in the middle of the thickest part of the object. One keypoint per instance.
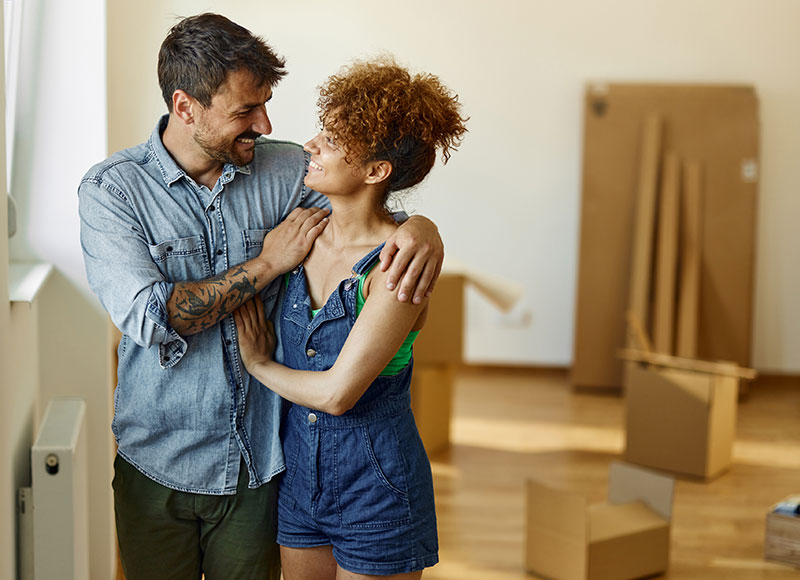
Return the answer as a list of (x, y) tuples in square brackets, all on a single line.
[(51, 464)]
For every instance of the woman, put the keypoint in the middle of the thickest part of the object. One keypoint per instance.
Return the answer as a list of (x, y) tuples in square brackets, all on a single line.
[(357, 497)]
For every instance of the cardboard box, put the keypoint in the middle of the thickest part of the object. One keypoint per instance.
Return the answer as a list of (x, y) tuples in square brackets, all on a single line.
[(681, 421), (716, 125), (432, 404), (442, 339), (439, 348), (626, 538), (782, 541)]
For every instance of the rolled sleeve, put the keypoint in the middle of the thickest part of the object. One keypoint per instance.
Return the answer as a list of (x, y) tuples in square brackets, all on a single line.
[(121, 272), (171, 345)]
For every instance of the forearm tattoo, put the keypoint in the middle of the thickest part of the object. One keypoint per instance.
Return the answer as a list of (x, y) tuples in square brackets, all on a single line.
[(196, 306)]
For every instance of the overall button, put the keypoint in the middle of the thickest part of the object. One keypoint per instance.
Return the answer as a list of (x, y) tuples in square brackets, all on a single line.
[(348, 285), (311, 353), (312, 418)]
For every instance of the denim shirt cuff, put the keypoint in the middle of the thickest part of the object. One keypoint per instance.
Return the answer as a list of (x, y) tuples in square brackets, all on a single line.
[(171, 345), (400, 216)]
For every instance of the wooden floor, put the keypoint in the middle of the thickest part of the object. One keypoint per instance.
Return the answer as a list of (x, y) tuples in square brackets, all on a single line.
[(512, 425)]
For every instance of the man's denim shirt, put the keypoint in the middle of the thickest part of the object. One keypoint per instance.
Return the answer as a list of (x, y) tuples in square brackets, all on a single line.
[(185, 409)]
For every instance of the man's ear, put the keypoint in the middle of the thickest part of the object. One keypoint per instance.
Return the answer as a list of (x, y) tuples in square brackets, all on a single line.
[(378, 171), (183, 106)]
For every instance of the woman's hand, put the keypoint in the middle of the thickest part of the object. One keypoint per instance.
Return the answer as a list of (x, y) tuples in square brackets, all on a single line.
[(256, 336)]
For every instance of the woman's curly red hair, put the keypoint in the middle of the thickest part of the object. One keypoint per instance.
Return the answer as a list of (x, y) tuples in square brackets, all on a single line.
[(378, 111)]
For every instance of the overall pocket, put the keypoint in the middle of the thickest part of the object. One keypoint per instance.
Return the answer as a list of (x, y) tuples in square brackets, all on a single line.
[(371, 488)]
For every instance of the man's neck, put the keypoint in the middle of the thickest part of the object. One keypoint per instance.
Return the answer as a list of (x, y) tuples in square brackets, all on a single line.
[(179, 144)]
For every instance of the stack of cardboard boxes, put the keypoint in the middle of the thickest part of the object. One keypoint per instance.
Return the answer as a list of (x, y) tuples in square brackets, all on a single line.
[(439, 348), (437, 355), (667, 253), (665, 272)]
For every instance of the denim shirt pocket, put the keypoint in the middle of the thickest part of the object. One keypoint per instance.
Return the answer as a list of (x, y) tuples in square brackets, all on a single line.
[(253, 241), (182, 258), (252, 244)]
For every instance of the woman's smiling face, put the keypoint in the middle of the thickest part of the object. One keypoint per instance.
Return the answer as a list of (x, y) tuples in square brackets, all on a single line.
[(329, 171)]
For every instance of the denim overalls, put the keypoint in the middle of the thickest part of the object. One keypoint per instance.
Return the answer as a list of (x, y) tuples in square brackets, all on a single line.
[(360, 482)]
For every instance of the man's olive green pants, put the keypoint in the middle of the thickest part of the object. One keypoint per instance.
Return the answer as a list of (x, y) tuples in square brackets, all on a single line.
[(172, 535)]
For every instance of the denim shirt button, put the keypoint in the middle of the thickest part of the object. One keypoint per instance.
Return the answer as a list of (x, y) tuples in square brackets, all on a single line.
[(312, 418), (294, 305), (311, 353)]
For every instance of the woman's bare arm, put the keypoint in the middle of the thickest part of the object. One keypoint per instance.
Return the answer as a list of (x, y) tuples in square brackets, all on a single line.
[(379, 331)]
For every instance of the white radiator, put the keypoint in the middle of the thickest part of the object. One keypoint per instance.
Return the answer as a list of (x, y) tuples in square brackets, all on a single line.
[(54, 526)]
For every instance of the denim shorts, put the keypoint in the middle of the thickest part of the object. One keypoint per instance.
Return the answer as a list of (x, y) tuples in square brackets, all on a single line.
[(361, 483)]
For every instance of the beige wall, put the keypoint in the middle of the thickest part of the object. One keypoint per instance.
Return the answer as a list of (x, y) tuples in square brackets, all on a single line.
[(509, 200), (7, 411), (60, 132)]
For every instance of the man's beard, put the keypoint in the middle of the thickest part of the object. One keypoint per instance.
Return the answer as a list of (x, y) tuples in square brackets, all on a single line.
[(220, 149)]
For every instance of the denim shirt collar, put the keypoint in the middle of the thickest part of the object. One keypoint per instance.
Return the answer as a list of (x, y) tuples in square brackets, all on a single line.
[(171, 171)]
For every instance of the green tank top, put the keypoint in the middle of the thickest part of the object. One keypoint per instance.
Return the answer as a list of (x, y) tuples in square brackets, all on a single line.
[(403, 354)]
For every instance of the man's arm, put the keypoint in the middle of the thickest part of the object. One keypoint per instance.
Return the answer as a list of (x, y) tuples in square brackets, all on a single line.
[(196, 306), (413, 255)]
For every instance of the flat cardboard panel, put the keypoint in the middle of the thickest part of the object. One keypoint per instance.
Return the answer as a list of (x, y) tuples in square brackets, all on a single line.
[(666, 265), (644, 224), (691, 208), (680, 421), (629, 483), (442, 339), (432, 404), (716, 125)]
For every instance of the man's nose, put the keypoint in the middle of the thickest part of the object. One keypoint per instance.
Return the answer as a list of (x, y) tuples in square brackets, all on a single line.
[(261, 123)]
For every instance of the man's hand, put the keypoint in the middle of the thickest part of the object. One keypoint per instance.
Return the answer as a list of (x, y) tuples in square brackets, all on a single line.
[(197, 305), (415, 253), (289, 243), (256, 339)]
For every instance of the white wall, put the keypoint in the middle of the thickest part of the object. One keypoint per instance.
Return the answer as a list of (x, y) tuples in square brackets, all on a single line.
[(60, 131), (509, 200)]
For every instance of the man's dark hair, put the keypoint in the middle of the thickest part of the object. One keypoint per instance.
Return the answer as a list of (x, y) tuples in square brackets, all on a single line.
[(200, 51)]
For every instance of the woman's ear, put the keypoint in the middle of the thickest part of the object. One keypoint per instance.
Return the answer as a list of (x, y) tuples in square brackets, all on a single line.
[(182, 106), (378, 171)]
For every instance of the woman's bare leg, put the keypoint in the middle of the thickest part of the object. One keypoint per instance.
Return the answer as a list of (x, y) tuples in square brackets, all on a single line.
[(345, 575), (308, 563)]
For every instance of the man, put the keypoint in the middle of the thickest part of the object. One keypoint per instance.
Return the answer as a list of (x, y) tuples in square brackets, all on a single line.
[(177, 233)]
